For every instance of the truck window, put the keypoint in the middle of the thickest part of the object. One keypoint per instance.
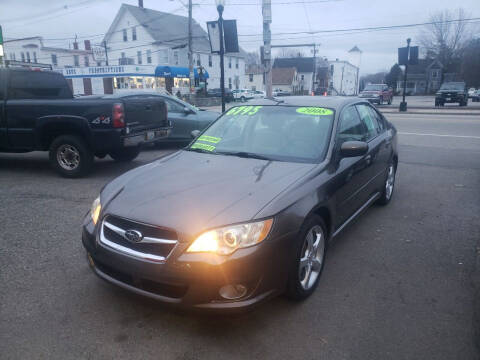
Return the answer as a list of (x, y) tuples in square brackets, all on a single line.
[(38, 85)]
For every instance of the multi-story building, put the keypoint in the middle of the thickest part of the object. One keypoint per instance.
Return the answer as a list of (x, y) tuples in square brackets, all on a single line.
[(32, 50), (343, 77), (255, 78)]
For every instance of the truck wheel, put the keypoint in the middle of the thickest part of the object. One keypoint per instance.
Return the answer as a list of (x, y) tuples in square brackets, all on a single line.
[(390, 100), (380, 101), (125, 154), (70, 156)]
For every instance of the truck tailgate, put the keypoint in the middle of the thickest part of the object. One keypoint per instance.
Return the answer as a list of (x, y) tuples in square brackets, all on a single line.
[(145, 112)]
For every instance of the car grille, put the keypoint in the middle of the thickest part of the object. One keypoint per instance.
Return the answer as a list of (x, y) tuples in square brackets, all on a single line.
[(155, 245)]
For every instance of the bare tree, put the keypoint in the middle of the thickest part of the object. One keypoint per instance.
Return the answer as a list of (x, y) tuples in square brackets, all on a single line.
[(444, 39), (290, 53)]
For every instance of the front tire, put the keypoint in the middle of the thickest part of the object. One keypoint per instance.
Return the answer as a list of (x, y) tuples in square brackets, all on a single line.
[(307, 265), (70, 156), (242, 99), (388, 186), (125, 154), (390, 100)]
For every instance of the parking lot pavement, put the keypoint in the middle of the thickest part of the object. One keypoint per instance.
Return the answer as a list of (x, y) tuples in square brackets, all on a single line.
[(400, 283)]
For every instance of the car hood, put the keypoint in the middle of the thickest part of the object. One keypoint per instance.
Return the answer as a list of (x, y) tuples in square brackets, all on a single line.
[(366, 93), (191, 192), (207, 115), (444, 91)]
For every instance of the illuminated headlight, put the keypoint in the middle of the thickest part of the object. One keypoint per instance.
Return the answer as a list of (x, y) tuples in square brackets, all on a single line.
[(95, 210), (438, 93), (226, 240)]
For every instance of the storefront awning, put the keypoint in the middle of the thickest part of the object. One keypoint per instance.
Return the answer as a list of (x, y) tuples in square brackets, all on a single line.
[(176, 72)]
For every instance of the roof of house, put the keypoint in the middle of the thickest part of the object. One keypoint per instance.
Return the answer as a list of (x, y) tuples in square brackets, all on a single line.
[(166, 28), (302, 64), (283, 76), (355, 49)]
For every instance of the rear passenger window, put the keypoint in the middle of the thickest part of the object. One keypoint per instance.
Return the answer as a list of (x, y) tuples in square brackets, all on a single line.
[(351, 127), (38, 85), (369, 120)]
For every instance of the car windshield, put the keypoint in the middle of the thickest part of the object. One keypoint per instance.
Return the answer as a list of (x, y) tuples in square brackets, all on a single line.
[(373, 88), (283, 133), (452, 86)]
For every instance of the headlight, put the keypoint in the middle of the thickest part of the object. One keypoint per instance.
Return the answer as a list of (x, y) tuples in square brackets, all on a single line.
[(226, 240), (95, 210), (376, 95), (438, 94)]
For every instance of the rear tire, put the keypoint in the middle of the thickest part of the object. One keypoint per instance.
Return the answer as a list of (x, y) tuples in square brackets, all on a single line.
[(390, 100), (307, 265), (125, 154), (380, 101), (388, 186), (70, 156)]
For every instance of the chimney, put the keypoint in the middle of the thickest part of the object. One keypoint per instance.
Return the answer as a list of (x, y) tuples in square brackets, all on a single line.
[(87, 45), (140, 3), (75, 45)]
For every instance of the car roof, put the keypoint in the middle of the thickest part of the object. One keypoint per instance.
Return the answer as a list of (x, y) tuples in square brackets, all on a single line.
[(333, 102)]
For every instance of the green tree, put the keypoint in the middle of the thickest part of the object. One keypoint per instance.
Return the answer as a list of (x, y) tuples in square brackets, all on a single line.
[(392, 77)]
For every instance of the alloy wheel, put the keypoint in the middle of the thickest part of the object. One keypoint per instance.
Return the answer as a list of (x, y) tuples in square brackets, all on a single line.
[(312, 256), (390, 182)]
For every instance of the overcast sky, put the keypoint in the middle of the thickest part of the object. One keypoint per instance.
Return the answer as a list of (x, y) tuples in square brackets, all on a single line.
[(60, 19)]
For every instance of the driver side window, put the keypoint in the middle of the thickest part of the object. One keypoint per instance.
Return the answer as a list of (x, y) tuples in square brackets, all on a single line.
[(173, 106), (351, 128)]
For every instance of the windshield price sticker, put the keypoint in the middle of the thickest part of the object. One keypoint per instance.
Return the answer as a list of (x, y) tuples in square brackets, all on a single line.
[(206, 147), (210, 139), (244, 110), (314, 111)]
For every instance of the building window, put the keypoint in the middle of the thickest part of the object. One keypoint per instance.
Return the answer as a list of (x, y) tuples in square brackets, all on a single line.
[(175, 57), (54, 59), (230, 63), (23, 56), (34, 56), (199, 63), (76, 60), (210, 60), (302, 77), (250, 77), (237, 82), (125, 38), (139, 57), (230, 83), (331, 68), (134, 33), (236, 63), (149, 56), (86, 60), (28, 56), (434, 74), (123, 55)]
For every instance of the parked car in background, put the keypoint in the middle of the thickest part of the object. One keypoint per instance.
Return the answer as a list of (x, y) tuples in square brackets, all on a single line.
[(476, 96), (39, 113), (217, 92), (471, 92), (242, 95), (452, 92), (258, 94), (247, 211), (280, 92), (377, 93)]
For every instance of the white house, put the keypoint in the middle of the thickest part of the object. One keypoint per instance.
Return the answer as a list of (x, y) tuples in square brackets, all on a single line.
[(33, 50), (305, 70), (140, 36), (254, 78), (343, 77)]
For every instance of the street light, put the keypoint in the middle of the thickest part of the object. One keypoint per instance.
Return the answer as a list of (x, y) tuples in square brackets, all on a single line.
[(220, 6)]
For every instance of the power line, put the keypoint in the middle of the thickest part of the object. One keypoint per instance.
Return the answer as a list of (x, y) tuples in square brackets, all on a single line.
[(275, 3)]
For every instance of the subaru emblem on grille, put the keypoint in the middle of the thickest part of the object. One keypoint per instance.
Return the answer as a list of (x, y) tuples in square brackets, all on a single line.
[(133, 236)]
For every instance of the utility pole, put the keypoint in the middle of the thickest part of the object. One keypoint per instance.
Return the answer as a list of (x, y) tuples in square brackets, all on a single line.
[(220, 8), (314, 68), (106, 53), (267, 45), (190, 51)]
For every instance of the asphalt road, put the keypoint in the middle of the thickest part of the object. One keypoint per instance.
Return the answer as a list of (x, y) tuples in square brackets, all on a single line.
[(400, 283)]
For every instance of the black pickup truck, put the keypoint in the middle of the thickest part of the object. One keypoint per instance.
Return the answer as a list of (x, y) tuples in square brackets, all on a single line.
[(452, 92), (39, 113)]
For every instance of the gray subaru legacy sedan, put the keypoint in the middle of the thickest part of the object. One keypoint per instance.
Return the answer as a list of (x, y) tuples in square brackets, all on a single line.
[(247, 210)]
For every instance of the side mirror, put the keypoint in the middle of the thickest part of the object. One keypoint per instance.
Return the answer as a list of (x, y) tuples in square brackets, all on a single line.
[(195, 133), (353, 148), (187, 110)]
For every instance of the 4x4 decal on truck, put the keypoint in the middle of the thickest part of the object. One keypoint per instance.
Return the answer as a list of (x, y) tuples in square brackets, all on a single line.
[(101, 120)]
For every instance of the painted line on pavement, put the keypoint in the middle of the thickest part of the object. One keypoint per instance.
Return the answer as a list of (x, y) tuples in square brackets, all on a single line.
[(441, 135)]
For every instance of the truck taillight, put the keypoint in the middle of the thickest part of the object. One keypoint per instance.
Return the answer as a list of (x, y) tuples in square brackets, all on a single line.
[(118, 116)]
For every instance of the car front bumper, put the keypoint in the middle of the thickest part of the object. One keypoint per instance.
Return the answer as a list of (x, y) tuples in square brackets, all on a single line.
[(193, 280)]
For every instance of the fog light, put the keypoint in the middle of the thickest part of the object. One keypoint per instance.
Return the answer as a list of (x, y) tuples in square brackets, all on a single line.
[(90, 260), (233, 291)]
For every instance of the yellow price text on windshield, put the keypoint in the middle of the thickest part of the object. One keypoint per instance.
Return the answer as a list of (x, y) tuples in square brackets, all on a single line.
[(244, 110), (206, 147), (210, 139), (314, 111)]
